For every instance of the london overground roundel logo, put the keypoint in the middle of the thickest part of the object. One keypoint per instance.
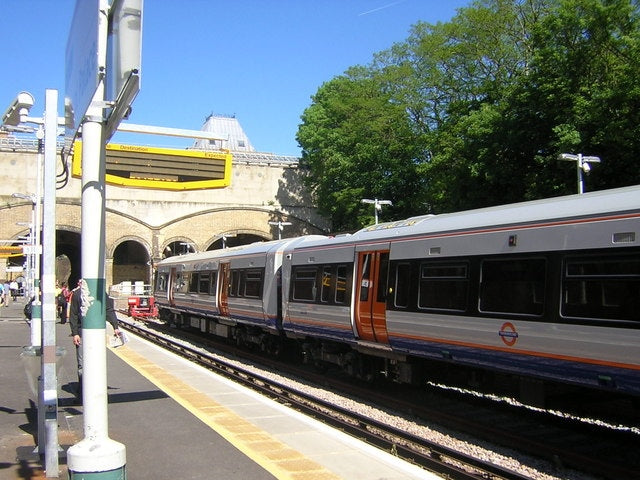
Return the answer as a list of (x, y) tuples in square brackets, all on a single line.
[(508, 334)]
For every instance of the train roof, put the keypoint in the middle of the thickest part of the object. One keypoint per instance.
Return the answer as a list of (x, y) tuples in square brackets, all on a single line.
[(250, 249), (555, 209)]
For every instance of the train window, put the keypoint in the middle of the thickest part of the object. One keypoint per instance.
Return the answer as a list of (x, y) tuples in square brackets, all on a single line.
[(364, 283), (325, 288), (443, 286), (181, 283), (204, 282), (234, 284), (602, 288), (193, 282), (402, 286), (161, 282), (383, 273), (304, 284), (253, 283), (214, 283), (341, 284), (513, 286)]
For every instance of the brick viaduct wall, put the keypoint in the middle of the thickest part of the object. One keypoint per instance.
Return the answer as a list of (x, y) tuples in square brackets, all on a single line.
[(153, 219)]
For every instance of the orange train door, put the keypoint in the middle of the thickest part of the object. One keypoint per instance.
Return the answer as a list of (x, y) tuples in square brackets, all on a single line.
[(223, 291), (370, 316)]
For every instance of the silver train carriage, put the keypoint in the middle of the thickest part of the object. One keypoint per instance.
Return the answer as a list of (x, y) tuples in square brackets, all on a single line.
[(547, 289), (220, 291)]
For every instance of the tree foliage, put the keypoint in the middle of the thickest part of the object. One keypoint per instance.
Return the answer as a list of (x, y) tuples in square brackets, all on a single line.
[(358, 144), (474, 112)]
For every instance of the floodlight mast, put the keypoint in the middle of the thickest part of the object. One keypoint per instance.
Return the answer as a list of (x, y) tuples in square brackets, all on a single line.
[(377, 204), (280, 226), (582, 165)]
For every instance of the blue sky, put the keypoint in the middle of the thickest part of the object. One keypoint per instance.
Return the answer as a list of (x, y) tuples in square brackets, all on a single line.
[(260, 60)]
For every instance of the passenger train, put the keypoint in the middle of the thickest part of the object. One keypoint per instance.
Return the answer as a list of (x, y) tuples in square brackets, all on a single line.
[(547, 290)]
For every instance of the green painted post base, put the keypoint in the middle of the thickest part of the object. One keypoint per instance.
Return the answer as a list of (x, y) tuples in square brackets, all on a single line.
[(101, 459), (117, 474)]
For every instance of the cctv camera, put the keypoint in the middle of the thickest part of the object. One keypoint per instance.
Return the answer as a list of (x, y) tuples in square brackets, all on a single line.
[(20, 106)]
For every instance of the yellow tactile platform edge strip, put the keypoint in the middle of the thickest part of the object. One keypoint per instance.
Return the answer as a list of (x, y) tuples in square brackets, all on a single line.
[(274, 456)]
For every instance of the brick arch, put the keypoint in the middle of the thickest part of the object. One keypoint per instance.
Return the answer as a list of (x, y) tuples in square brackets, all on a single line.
[(130, 261), (243, 231), (127, 238), (69, 244), (237, 238), (175, 239)]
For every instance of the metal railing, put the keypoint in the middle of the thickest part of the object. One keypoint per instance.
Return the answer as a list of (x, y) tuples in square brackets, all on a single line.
[(13, 143), (23, 144), (128, 289)]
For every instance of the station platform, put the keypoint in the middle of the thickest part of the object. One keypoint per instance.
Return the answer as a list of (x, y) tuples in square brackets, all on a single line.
[(176, 420)]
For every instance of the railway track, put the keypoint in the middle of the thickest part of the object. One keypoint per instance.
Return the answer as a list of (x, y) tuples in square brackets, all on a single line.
[(542, 439)]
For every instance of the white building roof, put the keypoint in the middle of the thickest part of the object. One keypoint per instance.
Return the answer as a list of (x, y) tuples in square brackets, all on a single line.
[(229, 130)]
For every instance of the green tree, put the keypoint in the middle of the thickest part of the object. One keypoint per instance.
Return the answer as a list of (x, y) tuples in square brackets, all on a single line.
[(475, 111), (358, 144), (582, 94)]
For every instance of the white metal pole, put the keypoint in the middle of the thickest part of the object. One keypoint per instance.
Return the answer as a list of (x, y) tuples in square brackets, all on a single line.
[(96, 453), (49, 349), (580, 180), (375, 209), (36, 306), (31, 259), (36, 311), (96, 456)]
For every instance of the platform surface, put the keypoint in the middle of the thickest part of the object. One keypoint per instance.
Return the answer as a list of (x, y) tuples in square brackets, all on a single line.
[(177, 420)]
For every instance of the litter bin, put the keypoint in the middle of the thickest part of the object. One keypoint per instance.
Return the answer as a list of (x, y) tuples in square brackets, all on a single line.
[(31, 357)]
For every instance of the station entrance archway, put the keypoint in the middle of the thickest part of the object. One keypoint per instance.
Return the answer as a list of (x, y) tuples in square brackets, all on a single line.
[(131, 263)]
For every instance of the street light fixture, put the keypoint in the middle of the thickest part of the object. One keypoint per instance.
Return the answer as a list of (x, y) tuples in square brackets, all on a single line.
[(377, 205), (281, 226), (19, 108), (582, 165), (25, 196)]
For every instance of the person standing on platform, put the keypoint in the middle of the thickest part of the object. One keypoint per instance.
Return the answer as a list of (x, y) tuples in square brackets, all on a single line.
[(62, 299), (13, 286), (78, 307), (7, 292)]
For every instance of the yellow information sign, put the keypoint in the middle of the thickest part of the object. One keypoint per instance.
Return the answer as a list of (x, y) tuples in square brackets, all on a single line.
[(161, 168), (7, 251)]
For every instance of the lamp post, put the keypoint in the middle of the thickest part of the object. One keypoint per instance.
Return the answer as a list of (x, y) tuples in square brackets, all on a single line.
[(44, 313), (377, 204), (281, 226), (582, 165)]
